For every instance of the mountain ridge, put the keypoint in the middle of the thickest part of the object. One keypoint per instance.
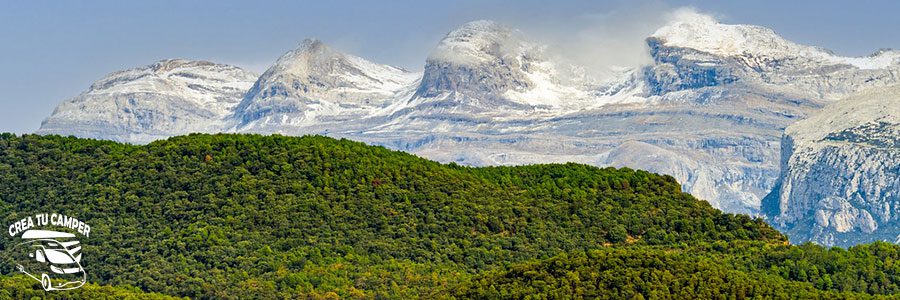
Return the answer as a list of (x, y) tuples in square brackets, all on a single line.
[(490, 96)]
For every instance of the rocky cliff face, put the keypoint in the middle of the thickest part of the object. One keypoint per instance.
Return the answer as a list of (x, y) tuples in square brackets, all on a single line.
[(170, 97), (840, 178)]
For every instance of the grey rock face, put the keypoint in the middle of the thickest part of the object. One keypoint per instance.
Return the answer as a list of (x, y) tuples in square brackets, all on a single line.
[(678, 69), (840, 178)]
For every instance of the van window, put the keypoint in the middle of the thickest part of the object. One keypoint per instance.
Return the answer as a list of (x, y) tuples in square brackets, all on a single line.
[(58, 256)]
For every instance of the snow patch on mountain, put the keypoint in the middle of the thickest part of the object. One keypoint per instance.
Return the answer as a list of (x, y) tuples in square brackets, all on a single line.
[(754, 43)]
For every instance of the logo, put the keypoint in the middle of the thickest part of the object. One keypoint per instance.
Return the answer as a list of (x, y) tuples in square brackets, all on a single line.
[(51, 257)]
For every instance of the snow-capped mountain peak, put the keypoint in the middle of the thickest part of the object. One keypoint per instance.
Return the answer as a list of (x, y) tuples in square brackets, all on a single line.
[(499, 65), (480, 42), (314, 59), (170, 97), (315, 79), (199, 81), (704, 33)]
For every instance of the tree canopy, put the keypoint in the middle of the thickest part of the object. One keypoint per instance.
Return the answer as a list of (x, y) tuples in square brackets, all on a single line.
[(249, 216)]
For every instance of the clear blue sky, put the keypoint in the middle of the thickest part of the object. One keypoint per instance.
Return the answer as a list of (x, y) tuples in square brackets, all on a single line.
[(53, 50)]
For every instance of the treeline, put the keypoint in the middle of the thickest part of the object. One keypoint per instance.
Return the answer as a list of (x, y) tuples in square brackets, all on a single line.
[(249, 216)]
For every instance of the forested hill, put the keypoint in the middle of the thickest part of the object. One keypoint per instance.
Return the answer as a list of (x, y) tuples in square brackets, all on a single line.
[(249, 216)]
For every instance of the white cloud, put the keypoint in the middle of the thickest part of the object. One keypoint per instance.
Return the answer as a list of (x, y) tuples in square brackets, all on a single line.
[(609, 41)]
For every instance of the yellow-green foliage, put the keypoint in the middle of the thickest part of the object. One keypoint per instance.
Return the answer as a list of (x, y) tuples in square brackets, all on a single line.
[(22, 287)]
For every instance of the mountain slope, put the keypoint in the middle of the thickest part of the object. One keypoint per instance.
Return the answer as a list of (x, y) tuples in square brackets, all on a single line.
[(170, 97), (314, 84), (247, 216), (839, 181)]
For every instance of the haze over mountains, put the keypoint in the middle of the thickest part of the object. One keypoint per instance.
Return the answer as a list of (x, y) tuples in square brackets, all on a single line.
[(709, 110)]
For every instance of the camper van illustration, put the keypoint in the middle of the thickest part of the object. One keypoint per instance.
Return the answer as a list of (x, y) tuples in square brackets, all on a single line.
[(51, 258)]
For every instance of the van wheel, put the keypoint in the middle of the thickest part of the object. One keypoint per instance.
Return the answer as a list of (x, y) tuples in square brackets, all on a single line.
[(45, 282)]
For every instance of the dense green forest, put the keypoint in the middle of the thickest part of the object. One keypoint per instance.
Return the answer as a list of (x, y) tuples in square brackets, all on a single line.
[(249, 216), (737, 270), (21, 287)]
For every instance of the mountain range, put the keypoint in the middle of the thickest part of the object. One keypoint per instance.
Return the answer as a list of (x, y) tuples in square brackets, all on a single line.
[(710, 109)]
